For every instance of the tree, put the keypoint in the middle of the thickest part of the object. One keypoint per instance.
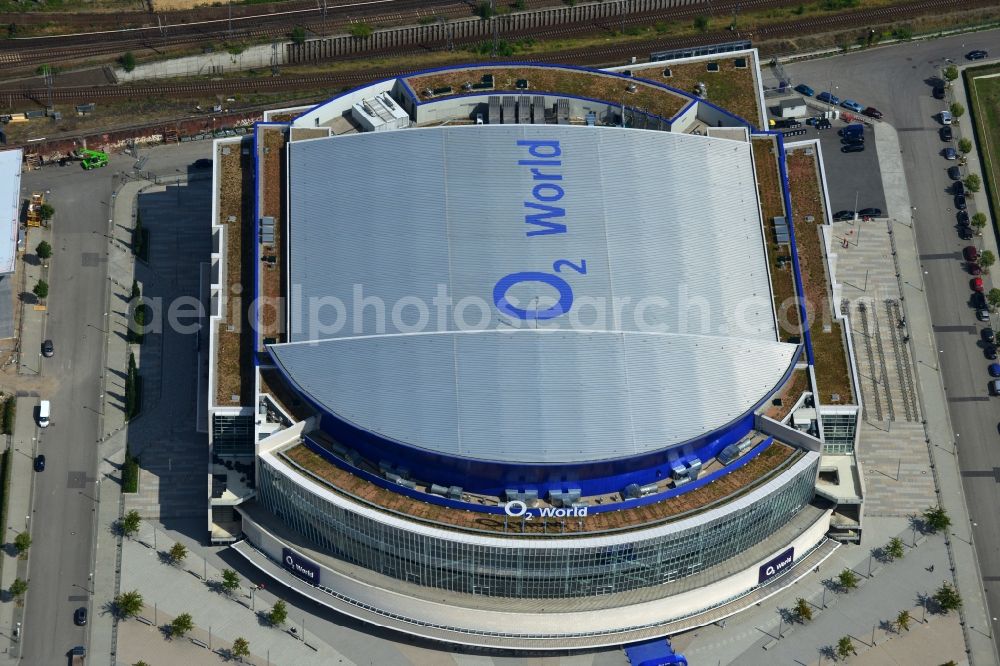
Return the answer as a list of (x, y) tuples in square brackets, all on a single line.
[(936, 518), (957, 110), (18, 588), (993, 298), (484, 10), (127, 604), (230, 580), (903, 620), (701, 23), (43, 250), (128, 61), (845, 647), (947, 598), (22, 542), (177, 553), (361, 30), (803, 610), (129, 523), (987, 259), (298, 35), (181, 625), (241, 648), (895, 548), (973, 183), (965, 145), (140, 663), (847, 579), (46, 211), (951, 73), (979, 222), (41, 290), (278, 614), (136, 291)]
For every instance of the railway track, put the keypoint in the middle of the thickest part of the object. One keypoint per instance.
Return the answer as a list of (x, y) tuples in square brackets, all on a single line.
[(601, 56)]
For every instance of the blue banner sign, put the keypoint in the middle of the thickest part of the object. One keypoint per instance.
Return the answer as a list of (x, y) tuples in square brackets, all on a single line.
[(776, 566), (300, 566)]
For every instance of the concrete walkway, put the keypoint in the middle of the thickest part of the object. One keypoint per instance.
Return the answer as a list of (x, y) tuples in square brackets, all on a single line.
[(933, 402)]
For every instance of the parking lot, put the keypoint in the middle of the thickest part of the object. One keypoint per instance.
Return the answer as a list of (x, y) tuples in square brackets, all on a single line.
[(849, 175)]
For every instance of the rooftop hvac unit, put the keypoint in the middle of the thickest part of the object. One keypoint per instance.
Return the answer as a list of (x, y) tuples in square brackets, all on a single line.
[(632, 491), (494, 110), (455, 492), (406, 483), (438, 490), (538, 110), (524, 109), (649, 489), (392, 476), (556, 498), (509, 114)]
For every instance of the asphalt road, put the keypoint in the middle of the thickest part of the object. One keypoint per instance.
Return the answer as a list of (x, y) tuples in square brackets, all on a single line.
[(63, 502), (63, 506), (895, 80)]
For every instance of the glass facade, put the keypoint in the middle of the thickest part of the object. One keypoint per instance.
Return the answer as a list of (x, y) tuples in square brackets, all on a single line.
[(232, 435), (509, 571), (838, 431)]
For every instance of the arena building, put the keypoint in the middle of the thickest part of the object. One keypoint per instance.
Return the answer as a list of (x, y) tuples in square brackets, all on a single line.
[(515, 357)]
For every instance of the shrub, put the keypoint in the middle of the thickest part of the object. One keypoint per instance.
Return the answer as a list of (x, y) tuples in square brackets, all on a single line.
[(845, 647), (701, 23), (181, 624), (230, 580), (957, 110), (803, 610), (43, 250), (127, 604), (130, 473), (22, 542), (127, 61), (903, 620), (241, 648), (993, 298), (965, 145), (935, 517), (41, 290), (947, 598), (129, 524), (298, 35), (278, 614), (9, 415), (177, 553), (847, 579), (951, 72), (895, 548), (361, 31), (973, 183), (18, 587), (46, 211)]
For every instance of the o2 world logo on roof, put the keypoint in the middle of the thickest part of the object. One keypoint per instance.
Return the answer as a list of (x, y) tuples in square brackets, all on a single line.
[(518, 509), (544, 161)]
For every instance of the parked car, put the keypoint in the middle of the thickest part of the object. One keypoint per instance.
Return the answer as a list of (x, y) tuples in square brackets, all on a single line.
[(843, 215), (872, 112), (976, 284), (40, 463), (945, 117), (977, 54), (853, 140), (954, 172), (978, 300), (970, 253), (870, 212), (994, 369), (939, 92), (958, 187), (960, 202), (851, 105), (990, 352), (982, 314), (80, 616), (950, 154), (829, 98), (48, 349), (803, 89), (822, 124), (963, 218), (946, 133), (989, 335), (44, 412), (974, 268), (203, 163), (965, 233), (854, 129), (853, 148)]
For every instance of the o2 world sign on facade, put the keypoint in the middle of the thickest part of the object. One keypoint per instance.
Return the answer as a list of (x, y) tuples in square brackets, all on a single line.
[(776, 566)]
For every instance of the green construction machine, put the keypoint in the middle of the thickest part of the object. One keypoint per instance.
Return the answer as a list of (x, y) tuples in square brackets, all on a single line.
[(92, 159)]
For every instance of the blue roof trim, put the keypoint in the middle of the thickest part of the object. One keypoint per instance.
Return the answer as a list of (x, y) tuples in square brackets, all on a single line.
[(786, 195), (431, 498)]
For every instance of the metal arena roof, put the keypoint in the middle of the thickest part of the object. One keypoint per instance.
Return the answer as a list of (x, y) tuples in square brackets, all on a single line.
[(529, 293)]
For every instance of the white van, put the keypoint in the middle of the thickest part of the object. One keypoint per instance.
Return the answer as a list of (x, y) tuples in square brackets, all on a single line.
[(946, 117), (43, 414)]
